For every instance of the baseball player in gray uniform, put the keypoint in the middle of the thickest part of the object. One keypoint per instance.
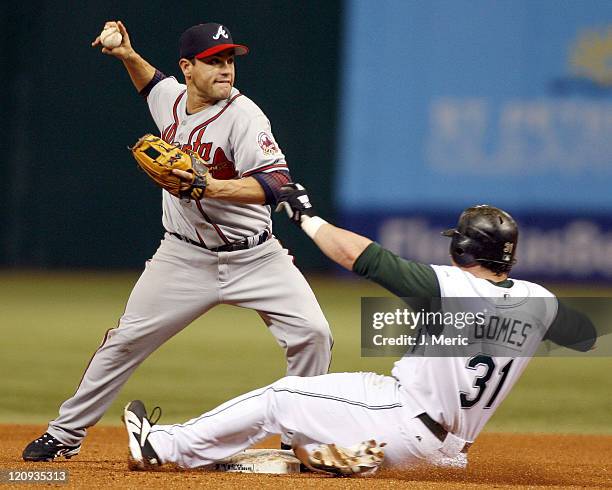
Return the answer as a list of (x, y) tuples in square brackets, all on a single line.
[(432, 408), (216, 250)]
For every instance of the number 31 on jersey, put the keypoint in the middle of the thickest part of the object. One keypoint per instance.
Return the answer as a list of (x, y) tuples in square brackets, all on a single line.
[(484, 383)]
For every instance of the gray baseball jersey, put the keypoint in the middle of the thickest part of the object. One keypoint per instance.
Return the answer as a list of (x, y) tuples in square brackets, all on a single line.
[(234, 138)]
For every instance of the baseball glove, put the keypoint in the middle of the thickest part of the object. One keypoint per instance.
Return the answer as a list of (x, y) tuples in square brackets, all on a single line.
[(158, 159)]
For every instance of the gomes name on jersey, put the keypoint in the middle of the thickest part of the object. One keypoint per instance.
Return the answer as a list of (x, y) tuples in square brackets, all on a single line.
[(506, 330)]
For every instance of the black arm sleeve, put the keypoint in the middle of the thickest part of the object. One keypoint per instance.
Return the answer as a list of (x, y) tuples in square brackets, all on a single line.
[(158, 77), (271, 183), (402, 277), (572, 329)]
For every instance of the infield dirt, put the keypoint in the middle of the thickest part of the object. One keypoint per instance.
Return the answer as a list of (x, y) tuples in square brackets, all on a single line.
[(496, 460)]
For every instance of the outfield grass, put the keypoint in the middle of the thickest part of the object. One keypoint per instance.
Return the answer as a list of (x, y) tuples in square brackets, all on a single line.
[(51, 323)]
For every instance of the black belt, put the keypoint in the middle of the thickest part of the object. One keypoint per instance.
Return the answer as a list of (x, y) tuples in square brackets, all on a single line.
[(437, 430), (228, 247)]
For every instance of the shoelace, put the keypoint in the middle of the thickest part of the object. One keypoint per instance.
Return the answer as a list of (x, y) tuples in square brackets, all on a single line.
[(156, 414)]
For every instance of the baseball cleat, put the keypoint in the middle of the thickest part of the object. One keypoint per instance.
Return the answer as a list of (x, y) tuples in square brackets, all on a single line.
[(47, 448), (363, 459), (138, 426)]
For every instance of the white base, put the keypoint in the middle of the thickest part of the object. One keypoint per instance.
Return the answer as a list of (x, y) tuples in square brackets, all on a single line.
[(273, 461)]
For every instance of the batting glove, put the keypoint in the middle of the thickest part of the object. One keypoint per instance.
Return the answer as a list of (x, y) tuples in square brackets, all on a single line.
[(293, 198)]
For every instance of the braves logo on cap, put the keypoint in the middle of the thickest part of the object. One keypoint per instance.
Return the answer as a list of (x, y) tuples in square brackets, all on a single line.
[(220, 32), (204, 40), (267, 144)]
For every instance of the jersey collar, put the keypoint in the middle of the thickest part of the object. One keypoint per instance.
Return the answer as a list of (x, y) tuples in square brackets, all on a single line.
[(506, 283)]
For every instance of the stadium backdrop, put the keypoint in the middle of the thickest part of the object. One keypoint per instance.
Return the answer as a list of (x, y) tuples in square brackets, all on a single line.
[(395, 113)]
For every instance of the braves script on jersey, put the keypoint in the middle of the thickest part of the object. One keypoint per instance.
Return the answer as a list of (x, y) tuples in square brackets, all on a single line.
[(235, 140)]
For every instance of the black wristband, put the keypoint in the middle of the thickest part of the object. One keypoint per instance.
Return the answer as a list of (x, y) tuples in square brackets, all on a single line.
[(157, 77)]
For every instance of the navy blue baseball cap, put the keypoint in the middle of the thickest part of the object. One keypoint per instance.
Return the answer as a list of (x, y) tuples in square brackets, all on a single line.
[(204, 40)]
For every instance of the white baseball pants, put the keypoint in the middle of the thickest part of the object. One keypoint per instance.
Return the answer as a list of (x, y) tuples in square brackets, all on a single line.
[(343, 408)]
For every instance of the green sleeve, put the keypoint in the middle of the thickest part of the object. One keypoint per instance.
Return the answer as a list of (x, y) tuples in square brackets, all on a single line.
[(402, 277), (573, 329)]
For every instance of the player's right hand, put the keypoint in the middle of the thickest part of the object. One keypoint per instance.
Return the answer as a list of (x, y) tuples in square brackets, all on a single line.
[(293, 198), (124, 49)]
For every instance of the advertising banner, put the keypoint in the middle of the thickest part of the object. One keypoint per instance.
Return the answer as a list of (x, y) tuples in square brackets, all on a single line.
[(449, 104)]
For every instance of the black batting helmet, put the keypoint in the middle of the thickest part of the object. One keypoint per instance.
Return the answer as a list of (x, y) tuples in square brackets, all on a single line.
[(484, 235)]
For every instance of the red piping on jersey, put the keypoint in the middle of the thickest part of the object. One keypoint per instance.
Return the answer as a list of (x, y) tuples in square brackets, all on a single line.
[(201, 239), (206, 123), (264, 168), (170, 132), (207, 218), (175, 107)]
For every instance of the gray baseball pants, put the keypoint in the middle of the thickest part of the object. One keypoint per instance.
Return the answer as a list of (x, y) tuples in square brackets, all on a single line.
[(180, 283)]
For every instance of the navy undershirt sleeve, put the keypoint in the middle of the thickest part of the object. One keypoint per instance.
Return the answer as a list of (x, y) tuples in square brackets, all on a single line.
[(271, 183), (158, 77)]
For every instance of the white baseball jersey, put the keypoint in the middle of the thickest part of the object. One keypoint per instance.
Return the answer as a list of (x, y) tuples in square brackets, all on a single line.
[(234, 138), (461, 393)]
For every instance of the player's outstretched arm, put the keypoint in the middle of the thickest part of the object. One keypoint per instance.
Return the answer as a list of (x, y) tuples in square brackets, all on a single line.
[(404, 278), (140, 70), (340, 245)]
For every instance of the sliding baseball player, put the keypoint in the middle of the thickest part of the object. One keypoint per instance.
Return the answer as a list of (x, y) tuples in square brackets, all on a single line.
[(431, 409)]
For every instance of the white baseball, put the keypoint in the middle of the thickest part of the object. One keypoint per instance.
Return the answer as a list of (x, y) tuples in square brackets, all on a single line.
[(111, 37)]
